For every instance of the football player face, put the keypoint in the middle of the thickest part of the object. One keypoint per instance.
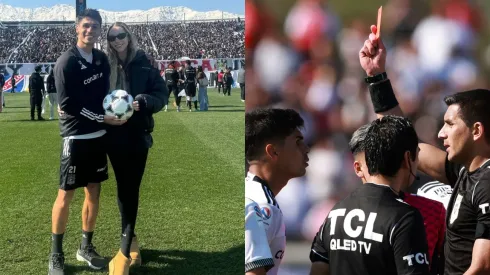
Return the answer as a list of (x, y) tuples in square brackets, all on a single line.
[(118, 39), (456, 135), (292, 156), (88, 31)]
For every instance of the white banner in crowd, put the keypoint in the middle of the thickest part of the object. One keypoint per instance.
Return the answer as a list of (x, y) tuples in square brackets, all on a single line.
[(22, 71)]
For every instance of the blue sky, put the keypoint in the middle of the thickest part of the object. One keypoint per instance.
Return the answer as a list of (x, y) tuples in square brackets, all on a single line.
[(234, 6)]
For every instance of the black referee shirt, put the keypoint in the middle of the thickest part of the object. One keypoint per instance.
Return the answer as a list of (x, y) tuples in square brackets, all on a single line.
[(372, 231), (468, 214)]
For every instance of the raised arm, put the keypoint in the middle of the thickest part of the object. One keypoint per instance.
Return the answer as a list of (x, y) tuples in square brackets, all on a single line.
[(372, 57)]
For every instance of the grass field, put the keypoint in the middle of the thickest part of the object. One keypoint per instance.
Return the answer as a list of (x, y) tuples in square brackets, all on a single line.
[(190, 218)]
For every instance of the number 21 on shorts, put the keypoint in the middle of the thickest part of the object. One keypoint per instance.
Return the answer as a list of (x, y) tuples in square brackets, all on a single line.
[(72, 169)]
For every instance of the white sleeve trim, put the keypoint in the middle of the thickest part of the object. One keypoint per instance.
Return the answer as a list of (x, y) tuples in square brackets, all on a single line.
[(391, 233), (92, 116), (473, 195), (320, 255)]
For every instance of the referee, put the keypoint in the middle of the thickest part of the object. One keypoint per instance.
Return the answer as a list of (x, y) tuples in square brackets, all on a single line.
[(373, 231), (433, 212), (464, 165), (82, 82)]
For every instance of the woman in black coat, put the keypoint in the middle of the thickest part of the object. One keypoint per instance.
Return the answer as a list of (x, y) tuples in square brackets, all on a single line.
[(128, 145)]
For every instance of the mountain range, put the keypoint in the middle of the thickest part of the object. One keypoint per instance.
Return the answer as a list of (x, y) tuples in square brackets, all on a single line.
[(65, 12)]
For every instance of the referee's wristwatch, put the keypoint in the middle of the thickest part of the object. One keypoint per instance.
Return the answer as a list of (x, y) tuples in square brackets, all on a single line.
[(376, 78)]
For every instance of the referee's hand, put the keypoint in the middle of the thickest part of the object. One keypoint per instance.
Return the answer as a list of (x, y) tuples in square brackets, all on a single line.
[(112, 120), (372, 56)]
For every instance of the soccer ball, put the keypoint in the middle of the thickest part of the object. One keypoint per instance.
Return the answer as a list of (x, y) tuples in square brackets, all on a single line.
[(118, 103)]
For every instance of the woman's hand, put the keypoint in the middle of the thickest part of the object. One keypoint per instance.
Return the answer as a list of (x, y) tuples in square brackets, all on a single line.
[(136, 105)]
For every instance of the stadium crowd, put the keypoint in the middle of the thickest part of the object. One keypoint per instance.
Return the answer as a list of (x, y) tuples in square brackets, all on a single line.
[(165, 41), (432, 52)]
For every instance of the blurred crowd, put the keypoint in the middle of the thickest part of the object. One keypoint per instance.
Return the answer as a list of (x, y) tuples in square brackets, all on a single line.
[(307, 58), (164, 41)]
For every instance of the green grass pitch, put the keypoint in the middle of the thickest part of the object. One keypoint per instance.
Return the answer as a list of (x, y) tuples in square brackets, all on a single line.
[(190, 217)]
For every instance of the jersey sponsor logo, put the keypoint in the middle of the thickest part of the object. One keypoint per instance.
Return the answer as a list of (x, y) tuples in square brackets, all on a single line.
[(443, 191), (484, 208), (258, 212), (369, 234), (366, 225), (420, 258), (279, 254), (266, 213), (350, 245), (92, 78), (455, 212)]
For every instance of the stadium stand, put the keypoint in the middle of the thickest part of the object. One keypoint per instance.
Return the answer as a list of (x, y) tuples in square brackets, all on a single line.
[(44, 42)]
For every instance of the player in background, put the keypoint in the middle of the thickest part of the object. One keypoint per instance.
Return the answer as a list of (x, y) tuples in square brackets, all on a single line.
[(464, 165), (220, 82), (258, 258), (433, 212), (36, 92), (172, 80), (129, 145), (82, 82), (2, 82), (190, 84), (227, 81), (373, 231), (52, 97), (276, 152)]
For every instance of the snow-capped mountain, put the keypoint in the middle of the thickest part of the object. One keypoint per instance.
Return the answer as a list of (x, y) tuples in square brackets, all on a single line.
[(67, 13)]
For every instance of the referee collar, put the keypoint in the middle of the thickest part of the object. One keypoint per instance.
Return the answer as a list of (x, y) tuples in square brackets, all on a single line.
[(384, 186)]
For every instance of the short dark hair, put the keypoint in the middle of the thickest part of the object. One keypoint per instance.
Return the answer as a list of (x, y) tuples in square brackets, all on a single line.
[(474, 106), (386, 142), (188, 62), (356, 143), (266, 125), (90, 13)]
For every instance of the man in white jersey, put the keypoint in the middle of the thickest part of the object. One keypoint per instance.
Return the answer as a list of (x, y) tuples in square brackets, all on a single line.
[(258, 258), (276, 153)]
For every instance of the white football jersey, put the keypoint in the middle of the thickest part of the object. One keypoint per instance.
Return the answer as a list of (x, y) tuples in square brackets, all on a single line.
[(437, 191), (257, 251), (257, 190)]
